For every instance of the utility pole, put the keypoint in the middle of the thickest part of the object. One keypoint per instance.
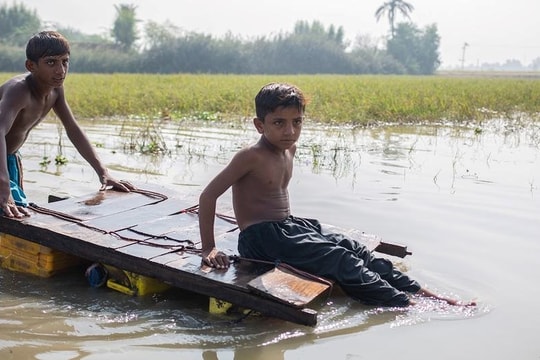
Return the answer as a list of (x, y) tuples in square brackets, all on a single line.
[(463, 55)]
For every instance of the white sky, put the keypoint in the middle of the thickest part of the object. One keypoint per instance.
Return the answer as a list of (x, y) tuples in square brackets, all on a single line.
[(495, 30)]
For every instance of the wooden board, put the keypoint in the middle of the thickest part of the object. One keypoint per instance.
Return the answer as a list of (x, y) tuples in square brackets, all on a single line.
[(285, 286), (100, 204)]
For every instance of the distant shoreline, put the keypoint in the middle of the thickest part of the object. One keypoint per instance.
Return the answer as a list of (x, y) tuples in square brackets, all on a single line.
[(490, 74)]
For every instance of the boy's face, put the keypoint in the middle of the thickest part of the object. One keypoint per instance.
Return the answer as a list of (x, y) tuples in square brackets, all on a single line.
[(50, 70), (281, 127)]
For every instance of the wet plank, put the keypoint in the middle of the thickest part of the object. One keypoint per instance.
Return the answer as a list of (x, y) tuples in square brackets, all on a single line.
[(285, 286), (100, 204), (125, 217)]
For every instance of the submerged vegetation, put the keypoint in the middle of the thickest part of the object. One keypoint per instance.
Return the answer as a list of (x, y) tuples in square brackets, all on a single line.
[(359, 100)]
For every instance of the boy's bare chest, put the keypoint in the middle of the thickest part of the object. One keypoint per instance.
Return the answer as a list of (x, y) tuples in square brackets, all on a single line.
[(36, 111), (28, 118), (275, 174)]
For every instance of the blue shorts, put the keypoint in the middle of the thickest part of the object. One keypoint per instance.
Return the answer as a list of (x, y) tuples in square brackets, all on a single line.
[(16, 179)]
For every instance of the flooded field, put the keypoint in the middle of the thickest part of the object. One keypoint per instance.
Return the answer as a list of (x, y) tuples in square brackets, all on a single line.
[(465, 200)]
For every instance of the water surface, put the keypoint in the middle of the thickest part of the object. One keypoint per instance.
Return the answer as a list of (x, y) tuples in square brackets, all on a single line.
[(465, 200)]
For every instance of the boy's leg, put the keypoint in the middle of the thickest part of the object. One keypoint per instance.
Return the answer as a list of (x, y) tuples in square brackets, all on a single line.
[(16, 179), (396, 278), (381, 266)]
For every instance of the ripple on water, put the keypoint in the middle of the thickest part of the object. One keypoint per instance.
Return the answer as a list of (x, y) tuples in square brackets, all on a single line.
[(76, 313)]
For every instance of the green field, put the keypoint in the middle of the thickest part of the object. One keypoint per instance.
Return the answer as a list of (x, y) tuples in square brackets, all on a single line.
[(333, 98)]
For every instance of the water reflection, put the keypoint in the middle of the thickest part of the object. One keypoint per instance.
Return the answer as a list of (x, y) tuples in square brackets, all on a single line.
[(64, 313), (346, 153)]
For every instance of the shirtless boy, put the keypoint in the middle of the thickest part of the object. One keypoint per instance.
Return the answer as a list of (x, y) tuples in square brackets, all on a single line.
[(25, 100), (259, 176)]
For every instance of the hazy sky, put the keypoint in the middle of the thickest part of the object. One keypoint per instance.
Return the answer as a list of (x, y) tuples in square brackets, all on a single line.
[(495, 30)]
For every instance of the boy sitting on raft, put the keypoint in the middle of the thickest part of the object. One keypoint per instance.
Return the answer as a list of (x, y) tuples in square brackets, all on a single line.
[(259, 176)]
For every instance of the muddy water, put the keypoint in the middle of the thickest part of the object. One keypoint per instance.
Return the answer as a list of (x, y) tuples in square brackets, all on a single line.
[(465, 202)]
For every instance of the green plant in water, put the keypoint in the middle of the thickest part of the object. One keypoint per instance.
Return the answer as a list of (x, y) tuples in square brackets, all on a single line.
[(147, 140), (45, 162), (152, 148), (60, 160)]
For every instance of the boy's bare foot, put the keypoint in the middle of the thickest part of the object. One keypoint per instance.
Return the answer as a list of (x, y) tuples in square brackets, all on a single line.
[(430, 294)]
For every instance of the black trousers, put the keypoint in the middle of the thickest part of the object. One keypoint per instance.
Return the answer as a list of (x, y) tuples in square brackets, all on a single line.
[(300, 243)]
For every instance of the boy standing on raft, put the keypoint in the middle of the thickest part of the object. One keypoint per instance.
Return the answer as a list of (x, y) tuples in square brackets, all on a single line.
[(25, 100), (259, 176)]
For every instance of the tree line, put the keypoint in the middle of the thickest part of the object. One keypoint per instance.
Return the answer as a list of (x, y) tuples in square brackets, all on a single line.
[(311, 48)]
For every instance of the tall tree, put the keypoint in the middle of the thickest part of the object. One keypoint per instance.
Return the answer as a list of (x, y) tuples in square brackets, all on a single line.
[(317, 31), (390, 8), (124, 30), (416, 49), (17, 24), (156, 34)]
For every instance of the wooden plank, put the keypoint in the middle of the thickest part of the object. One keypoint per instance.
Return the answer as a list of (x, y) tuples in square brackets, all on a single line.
[(393, 249), (137, 215), (180, 227), (140, 250), (239, 274), (285, 286), (100, 203)]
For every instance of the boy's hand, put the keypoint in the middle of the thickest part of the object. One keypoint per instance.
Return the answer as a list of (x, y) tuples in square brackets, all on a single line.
[(122, 185), (215, 258), (10, 209)]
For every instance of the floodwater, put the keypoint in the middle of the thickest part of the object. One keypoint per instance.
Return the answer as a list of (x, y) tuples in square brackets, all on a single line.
[(465, 200)]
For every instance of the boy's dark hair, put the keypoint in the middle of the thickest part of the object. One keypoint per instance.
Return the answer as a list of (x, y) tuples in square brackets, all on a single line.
[(274, 95), (46, 43)]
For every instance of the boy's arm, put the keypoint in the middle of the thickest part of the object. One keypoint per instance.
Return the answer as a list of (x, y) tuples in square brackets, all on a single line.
[(207, 210), (6, 119), (11, 103), (83, 146), (235, 170)]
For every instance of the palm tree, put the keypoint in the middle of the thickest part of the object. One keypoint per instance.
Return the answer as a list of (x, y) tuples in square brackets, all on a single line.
[(124, 29), (390, 7)]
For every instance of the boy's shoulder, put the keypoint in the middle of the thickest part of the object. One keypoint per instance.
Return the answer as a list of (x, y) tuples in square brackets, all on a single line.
[(251, 156), (18, 83), (247, 152)]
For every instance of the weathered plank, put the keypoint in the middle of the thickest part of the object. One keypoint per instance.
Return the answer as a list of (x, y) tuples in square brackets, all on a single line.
[(126, 218), (100, 204), (285, 286), (393, 249)]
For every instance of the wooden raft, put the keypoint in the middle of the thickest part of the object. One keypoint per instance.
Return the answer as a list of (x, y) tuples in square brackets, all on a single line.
[(159, 239)]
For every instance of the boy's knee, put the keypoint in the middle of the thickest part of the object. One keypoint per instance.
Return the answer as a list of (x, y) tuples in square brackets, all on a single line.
[(381, 266)]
